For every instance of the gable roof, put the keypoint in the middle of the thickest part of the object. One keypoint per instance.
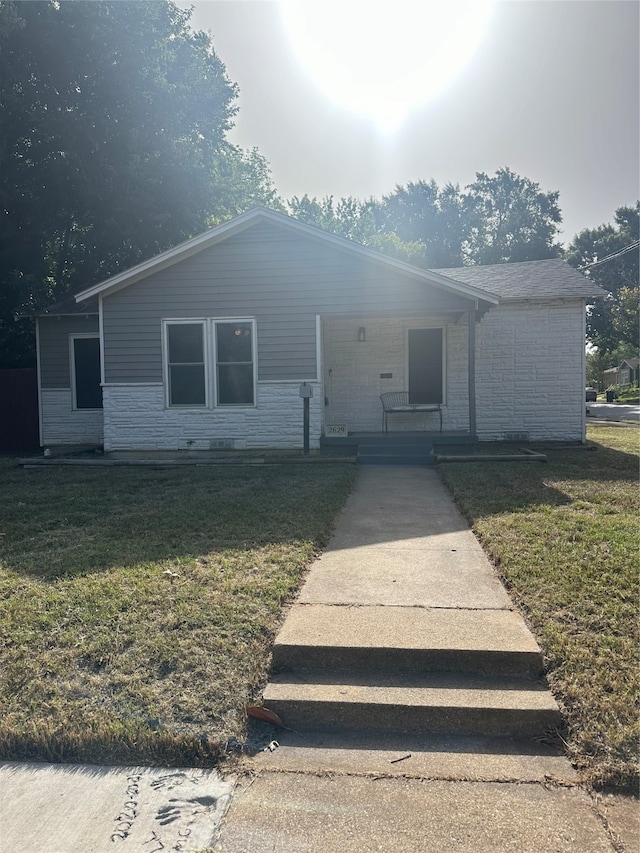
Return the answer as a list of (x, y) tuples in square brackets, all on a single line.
[(439, 279), (548, 279)]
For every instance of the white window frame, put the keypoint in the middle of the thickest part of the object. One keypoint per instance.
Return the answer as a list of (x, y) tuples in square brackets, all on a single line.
[(194, 321), (209, 325), (72, 366), (215, 321)]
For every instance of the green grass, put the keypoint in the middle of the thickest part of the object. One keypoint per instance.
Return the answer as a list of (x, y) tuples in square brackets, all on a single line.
[(565, 538), (138, 606)]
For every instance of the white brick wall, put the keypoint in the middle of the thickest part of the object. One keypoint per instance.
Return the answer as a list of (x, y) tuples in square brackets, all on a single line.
[(62, 425), (135, 418), (353, 386), (529, 371)]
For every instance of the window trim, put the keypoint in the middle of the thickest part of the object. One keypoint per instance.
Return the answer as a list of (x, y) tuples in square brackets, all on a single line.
[(215, 321), (73, 336), (193, 321), (209, 325)]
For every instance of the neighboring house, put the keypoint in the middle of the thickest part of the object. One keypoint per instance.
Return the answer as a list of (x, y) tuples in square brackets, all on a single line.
[(207, 344), (627, 374)]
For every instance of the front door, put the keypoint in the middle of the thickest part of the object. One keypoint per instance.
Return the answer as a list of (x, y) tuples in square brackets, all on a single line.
[(425, 365)]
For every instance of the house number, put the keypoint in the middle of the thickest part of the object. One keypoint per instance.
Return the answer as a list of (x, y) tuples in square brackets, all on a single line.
[(336, 429)]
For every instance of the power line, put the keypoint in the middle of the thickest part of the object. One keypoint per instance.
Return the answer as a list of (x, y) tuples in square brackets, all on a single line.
[(611, 257)]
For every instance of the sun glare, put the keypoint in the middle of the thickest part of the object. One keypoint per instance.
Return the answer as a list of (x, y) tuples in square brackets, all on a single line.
[(384, 59)]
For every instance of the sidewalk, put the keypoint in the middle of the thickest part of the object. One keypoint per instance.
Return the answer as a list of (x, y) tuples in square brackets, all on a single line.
[(403, 628)]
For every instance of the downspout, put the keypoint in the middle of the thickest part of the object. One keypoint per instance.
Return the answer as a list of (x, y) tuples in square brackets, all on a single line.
[(39, 379), (471, 358)]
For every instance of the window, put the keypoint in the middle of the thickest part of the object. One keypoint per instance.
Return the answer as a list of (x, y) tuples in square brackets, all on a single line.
[(234, 363), (192, 347), (85, 371), (186, 373)]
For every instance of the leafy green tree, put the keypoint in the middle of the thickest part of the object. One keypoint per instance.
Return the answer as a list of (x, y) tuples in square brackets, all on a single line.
[(608, 255), (113, 123), (422, 212), (508, 219), (356, 220), (497, 219)]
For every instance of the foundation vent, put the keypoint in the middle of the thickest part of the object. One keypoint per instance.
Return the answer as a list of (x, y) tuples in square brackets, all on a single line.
[(516, 436)]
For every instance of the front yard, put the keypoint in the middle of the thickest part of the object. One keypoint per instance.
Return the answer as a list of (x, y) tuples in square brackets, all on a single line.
[(138, 606), (565, 539)]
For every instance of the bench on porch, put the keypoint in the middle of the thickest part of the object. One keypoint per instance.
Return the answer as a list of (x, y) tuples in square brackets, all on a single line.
[(397, 403)]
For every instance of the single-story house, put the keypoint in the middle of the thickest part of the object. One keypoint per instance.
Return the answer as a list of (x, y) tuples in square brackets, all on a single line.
[(625, 375), (206, 345)]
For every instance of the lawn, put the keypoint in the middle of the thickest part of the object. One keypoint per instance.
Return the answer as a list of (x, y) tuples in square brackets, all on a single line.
[(565, 537), (138, 605)]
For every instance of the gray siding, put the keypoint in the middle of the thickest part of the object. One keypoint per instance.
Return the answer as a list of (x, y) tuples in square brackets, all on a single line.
[(282, 280), (54, 347)]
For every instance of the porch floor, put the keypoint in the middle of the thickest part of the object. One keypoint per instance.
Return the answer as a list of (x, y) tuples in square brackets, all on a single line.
[(397, 448)]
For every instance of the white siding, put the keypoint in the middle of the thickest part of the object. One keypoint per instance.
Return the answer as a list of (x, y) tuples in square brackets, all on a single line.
[(62, 425), (135, 418)]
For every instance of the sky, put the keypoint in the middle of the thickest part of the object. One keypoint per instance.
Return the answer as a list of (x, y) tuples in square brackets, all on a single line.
[(551, 91)]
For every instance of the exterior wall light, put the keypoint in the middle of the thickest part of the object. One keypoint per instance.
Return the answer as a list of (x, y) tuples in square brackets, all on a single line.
[(362, 334)]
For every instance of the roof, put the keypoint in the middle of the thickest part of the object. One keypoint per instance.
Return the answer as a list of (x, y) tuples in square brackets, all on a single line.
[(549, 279), (234, 226), (70, 307)]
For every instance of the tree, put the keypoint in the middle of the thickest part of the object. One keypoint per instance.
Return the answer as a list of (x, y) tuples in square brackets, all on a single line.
[(509, 219), (421, 212), (113, 123), (608, 255), (499, 219), (355, 220)]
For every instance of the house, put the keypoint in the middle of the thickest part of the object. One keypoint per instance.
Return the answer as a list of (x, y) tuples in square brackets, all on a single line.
[(206, 345), (627, 374)]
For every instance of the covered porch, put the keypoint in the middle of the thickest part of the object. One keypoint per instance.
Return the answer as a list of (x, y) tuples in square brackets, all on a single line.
[(431, 359)]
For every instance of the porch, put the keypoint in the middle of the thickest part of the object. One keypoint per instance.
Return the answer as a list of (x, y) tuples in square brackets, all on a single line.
[(398, 448)]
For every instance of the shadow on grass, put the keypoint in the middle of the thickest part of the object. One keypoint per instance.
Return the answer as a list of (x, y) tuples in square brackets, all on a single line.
[(61, 522), (495, 487)]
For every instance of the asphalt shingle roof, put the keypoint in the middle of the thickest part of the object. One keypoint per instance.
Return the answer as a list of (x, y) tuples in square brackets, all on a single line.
[(553, 278), (71, 307)]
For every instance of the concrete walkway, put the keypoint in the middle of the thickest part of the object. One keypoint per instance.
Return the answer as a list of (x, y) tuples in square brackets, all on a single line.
[(411, 684), (405, 641)]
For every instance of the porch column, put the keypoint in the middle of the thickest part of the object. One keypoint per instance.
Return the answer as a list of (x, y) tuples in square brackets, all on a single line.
[(471, 358)]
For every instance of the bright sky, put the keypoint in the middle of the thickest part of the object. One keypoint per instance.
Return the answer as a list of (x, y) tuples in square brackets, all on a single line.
[(550, 88)]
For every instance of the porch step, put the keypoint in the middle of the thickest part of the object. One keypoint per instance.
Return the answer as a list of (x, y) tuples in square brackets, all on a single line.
[(438, 704), (406, 639), (386, 458), (397, 452)]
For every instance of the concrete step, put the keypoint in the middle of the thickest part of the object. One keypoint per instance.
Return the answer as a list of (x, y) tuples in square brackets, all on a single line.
[(402, 458), (406, 639), (427, 756), (437, 704)]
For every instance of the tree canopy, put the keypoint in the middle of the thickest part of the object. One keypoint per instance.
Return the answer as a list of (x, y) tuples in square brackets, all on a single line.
[(608, 255), (113, 123), (496, 219)]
